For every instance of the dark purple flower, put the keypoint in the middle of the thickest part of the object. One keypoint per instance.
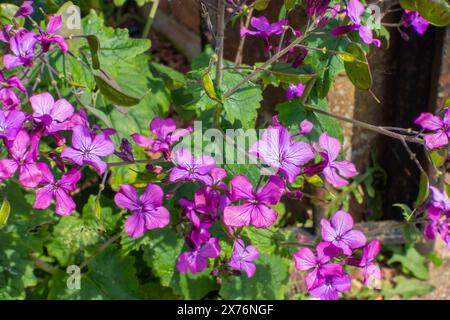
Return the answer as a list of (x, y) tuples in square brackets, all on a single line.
[(25, 10), (414, 20), (243, 257), (126, 151), (316, 8), (338, 232), (147, 209)]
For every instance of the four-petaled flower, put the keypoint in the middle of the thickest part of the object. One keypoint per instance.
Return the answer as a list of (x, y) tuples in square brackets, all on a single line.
[(264, 28), (256, 208), (53, 115), (8, 97), (197, 260), (338, 232), (22, 46), (59, 190), (10, 123), (147, 209), (191, 168), (46, 38), (440, 127), (333, 169), (278, 151), (88, 147), (243, 257), (371, 271)]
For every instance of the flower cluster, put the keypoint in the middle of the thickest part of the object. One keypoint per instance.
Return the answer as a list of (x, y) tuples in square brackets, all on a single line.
[(439, 216), (326, 276)]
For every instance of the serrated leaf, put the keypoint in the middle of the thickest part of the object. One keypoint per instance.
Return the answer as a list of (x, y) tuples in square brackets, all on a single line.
[(358, 71), (406, 211)]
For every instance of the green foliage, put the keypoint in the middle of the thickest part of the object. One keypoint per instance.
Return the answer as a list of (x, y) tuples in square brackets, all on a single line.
[(406, 288), (412, 262)]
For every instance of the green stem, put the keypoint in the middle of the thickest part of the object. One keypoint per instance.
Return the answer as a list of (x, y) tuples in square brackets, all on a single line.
[(150, 19)]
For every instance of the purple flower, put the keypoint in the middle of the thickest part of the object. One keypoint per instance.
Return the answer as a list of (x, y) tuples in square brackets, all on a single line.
[(147, 209), (243, 256), (23, 156), (200, 211), (354, 12), (88, 147), (10, 123), (264, 28), (7, 96), (277, 150), (338, 231), (305, 127), (316, 8), (440, 127), (371, 271), (46, 38), (126, 151), (319, 264), (53, 115), (190, 168), (255, 210), (330, 285), (334, 170), (295, 91), (59, 190), (22, 46), (25, 10), (414, 20), (197, 260), (166, 135), (440, 200)]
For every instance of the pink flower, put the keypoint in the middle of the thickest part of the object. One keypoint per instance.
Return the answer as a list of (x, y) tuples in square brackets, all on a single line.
[(278, 151), (440, 129), (338, 232), (243, 257), (25, 10), (333, 169), (190, 168), (305, 127), (53, 115), (197, 260), (264, 28), (295, 91), (255, 210), (46, 38), (166, 135), (22, 46), (88, 147), (319, 264), (371, 271), (23, 156), (147, 209), (330, 285), (10, 124), (8, 97), (59, 190)]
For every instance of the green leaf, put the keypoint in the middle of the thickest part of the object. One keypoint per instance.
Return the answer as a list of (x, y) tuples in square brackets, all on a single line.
[(407, 213), (435, 258), (261, 4), (407, 288), (5, 210), (7, 12), (409, 4), (439, 157), (94, 46), (358, 71), (437, 12), (287, 74), (412, 261), (110, 276), (208, 85), (111, 90), (424, 189), (269, 282)]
